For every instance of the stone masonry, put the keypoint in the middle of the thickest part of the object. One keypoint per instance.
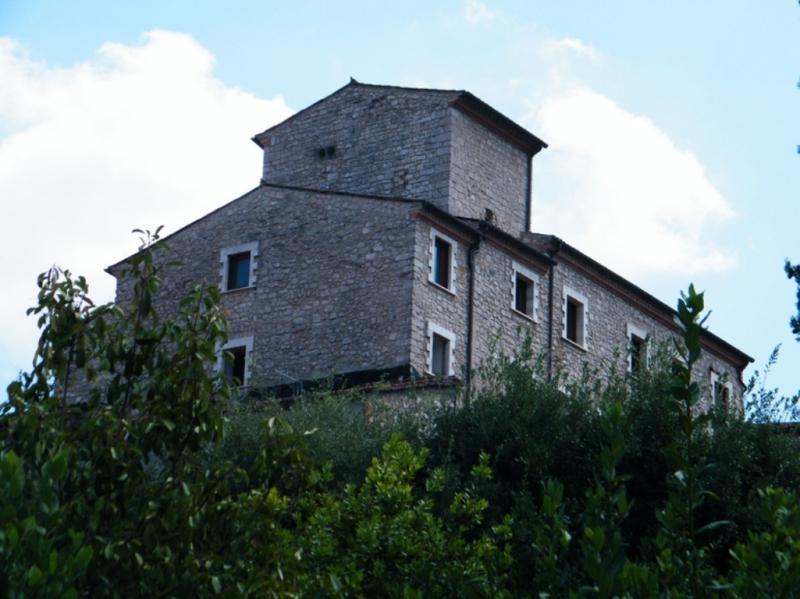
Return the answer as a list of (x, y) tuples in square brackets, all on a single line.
[(356, 190)]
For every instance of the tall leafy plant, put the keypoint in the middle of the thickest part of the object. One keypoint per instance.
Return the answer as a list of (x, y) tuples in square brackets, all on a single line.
[(682, 558)]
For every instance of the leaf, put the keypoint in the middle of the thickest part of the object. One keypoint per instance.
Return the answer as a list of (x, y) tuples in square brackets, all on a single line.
[(13, 470), (34, 577), (714, 526), (216, 584), (58, 466), (84, 556)]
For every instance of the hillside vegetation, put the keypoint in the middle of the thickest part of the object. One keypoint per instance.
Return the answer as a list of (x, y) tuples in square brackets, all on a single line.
[(165, 483)]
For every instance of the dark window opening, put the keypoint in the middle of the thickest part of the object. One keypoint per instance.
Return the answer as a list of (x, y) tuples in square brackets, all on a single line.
[(523, 295), (440, 355), (638, 351), (721, 395), (441, 262), (235, 364), (239, 270), (326, 152), (574, 321)]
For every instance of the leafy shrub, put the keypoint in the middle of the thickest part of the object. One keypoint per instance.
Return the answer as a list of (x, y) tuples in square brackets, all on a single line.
[(126, 469)]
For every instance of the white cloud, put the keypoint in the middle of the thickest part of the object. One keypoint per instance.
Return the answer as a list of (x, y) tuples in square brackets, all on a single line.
[(616, 186), (573, 45), (477, 12), (136, 137)]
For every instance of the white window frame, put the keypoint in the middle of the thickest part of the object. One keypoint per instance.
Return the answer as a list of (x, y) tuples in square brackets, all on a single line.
[(232, 250), (527, 273), (633, 330), (569, 293), (435, 234), (247, 343), (451, 338)]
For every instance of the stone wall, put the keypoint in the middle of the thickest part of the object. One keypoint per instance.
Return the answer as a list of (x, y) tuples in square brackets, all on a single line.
[(487, 172), (499, 328), (385, 141), (607, 333), (342, 282), (495, 320), (432, 304), (496, 326), (405, 143), (333, 285)]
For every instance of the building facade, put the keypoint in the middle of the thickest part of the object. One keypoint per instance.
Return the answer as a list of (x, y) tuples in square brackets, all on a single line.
[(389, 237)]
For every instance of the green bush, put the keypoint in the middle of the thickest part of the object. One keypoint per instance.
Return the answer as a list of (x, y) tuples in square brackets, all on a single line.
[(126, 469)]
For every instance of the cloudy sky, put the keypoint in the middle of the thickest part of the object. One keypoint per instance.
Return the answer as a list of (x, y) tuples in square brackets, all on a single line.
[(672, 127)]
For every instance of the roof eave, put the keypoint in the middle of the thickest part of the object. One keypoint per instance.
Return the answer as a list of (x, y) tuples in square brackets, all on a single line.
[(557, 245), (499, 123)]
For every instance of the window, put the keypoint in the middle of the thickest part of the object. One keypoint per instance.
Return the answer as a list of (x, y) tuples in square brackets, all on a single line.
[(442, 267), (441, 347), (720, 391), (524, 283), (238, 266), (236, 365), (440, 351), (637, 349), (234, 368), (239, 270), (575, 317), (725, 397)]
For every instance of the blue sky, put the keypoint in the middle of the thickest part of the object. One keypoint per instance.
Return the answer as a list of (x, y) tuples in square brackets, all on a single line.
[(672, 128)]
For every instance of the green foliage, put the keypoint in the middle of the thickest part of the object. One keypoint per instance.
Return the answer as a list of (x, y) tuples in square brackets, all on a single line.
[(115, 483), (793, 272), (682, 558), (767, 564), (346, 429), (38, 557), (550, 541), (127, 469), (381, 539), (610, 573), (128, 401), (765, 405)]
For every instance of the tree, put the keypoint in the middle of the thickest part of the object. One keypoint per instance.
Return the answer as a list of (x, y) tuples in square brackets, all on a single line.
[(793, 272)]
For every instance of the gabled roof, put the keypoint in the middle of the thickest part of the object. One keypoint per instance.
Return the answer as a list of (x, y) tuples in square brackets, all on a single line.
[(560, 250), (462, 100)]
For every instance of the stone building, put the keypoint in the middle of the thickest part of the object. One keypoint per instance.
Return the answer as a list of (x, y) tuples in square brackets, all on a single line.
[(389, 238)]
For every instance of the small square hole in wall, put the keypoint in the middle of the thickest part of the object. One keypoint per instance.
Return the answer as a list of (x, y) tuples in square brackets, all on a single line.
[(326, 152)]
